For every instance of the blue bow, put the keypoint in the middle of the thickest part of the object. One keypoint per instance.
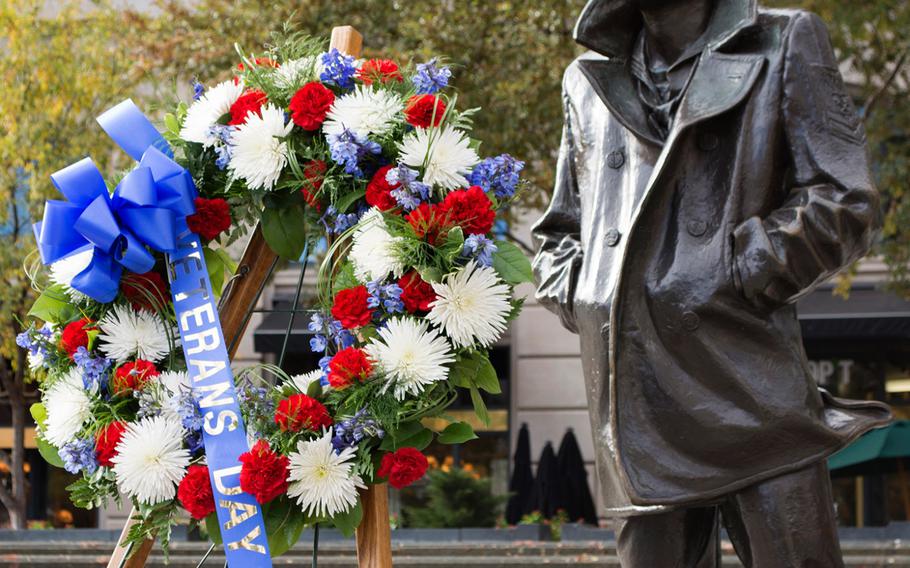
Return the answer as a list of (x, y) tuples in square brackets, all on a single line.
[(144, 211)]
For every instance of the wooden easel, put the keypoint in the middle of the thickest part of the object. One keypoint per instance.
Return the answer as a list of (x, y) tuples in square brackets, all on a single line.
[(374, 536)]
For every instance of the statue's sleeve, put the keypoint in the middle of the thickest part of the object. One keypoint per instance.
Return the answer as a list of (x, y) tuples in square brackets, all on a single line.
[(831, 212), (558, 234)]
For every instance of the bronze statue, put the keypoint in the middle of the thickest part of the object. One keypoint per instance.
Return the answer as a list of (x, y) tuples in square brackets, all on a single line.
[(712, 171)]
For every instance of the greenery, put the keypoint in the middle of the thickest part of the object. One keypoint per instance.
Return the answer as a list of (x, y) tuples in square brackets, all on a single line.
[(455, 498)]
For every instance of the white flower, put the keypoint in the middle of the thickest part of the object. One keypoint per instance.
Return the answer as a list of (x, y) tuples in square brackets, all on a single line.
[(205, 112), (126, 333), (64, 270), (166, 390), (322, 480), (295, 72), (151, 459), (373, 252), (365, 111), (68, 407), (258, 152), (445, 155), (303, 381), (471, 306), (411, 355)]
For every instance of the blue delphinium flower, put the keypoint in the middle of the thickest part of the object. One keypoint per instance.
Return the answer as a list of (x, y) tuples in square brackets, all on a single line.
[(350, 431), (335, 222), (348, 148), (79, 455), (430, 78), (337, 69), (411, 192), (185, 406), (328, 330), (198, 90), (94, 369), (223, 149), (500, 174), (24, 340), (481, 248), (388, 296)]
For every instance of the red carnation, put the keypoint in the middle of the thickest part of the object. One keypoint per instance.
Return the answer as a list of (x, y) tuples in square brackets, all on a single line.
[(132, 376), (106, 442), (250, 101), (382, 70), (146, 291), (299, 411), (75, 335), (470, 209), (424, 111), (195, 492), (264, 473), (348, 365), (314, 174), (416, 294), (310, 104), (379, 190), (403, 467), (212, 217), (428, 222), (350, 307)]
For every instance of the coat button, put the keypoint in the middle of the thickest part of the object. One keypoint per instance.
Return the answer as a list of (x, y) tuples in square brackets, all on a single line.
[(615, 159), (696, 227), (707, 141), (612, 237), (690, 321), (605, 331)]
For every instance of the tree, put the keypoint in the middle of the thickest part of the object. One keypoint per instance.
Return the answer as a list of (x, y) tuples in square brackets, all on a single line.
[(59, 71)]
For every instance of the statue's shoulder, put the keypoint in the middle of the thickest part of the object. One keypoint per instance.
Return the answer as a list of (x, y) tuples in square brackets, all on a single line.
[(574, 83)]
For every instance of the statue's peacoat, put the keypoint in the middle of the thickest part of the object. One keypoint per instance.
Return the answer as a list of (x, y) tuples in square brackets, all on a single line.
[(678, 262)]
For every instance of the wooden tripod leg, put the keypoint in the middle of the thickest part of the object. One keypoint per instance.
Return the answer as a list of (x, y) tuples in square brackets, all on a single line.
[(374, 536)]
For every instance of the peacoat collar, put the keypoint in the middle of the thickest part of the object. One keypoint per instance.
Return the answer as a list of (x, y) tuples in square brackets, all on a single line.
[(610, 27)]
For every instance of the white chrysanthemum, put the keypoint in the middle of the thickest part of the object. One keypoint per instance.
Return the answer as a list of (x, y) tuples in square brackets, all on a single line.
[(205, 112), (126, 333), (445, 154), (259, 153), (411, 355), (365, 111), (64, 270), (322, 480), (303, 381), (471, 306), (151, 459), (167, 388), (295, 72), (68, 407), (373, 252)]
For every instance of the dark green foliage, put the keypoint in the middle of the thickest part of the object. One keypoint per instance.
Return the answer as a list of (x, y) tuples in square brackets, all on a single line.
[(454, 499)]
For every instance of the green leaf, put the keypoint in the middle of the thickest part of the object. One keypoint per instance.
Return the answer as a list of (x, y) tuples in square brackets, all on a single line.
[(475, 370), (409, 435), (480, 408), (348, 522), (345, 202), (171, 123), (283, 525), (215, 266), (511, 264), (429, 273), (213, 527), (38, 412), (229, 262), (48, 452), (52, 306), (457, 433), (284, 229)]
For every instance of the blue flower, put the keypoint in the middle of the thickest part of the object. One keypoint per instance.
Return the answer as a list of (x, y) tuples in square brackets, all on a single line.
[(335, 222), (186, 407), (430, 78), (198, 90), (337, 69), (318, 343), (500, 174), (481, 248), (24, 340), (94, 369), (411, 192), (348, 148), (79, 455), (351, 431)]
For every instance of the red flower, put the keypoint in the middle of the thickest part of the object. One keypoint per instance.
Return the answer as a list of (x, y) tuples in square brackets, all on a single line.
[(195, 492), (403, 467), (146, 291), (132, 376), (106, 442), (470, 209), (428, 222), (424, 111), (212, 217), (264, 473), (75, 335), (260, 62), (348, 365), (299, 411), (382, 70), (314, 173), (416, 294), (250, 101), (350, 307), (310, 105), (379, 190)]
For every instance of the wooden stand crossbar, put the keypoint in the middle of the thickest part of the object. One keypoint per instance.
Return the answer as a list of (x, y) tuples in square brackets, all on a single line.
[(374, 548)]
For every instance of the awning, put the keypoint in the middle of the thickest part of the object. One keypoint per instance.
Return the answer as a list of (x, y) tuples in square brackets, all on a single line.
[(874, 451), (867, 314)]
